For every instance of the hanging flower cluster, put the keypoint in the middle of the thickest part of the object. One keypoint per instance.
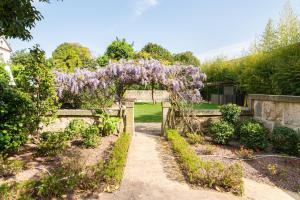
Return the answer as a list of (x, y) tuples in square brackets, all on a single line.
[(187, 80)]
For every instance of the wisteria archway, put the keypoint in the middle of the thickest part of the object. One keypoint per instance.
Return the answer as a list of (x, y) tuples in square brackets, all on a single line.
[(182, 82)]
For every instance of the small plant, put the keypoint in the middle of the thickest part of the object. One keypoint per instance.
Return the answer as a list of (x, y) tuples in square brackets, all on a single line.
[(208, 149), (193, 138), (285, 140), (221, 132), (230, 113), (75, 127), (107, 125), (253, 135), (10, 167), (245, 153), (273, 169), (52, 143), (91, 136)]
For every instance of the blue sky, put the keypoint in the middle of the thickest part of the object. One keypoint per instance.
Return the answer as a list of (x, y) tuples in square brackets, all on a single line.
[(206, 27)]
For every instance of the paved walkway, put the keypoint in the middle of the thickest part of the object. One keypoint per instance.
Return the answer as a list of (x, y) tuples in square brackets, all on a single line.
[(145, 178)]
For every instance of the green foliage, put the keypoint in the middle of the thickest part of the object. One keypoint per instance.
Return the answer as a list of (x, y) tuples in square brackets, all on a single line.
[(17, 17), (253, 135), (16, 115), (75, 128), (52, 143), (285, 140), (102, 60), (210, 174), (68, 56), (91, 136), (107, 125), (21, 57), (157, 52), (187, 58), (37, 80), (119, 49), (221, 132), (193, 138), (230, 113), (113, 170), (10, 167)]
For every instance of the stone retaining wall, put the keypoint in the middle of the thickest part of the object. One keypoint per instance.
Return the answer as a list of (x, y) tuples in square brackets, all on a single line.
[(275, 110), (146, 95), (65, 116)]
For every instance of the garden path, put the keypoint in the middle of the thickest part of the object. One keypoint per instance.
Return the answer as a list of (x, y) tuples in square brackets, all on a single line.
[(146, 177)]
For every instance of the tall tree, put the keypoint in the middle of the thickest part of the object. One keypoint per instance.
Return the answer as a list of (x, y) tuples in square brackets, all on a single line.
[(157, 52), (69, 56), (187, 58), (120, 49), (269, 40), (18, 17), (289, 26)]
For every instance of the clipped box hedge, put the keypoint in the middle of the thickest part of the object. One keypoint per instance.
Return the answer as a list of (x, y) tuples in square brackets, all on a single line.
[(211, 174)]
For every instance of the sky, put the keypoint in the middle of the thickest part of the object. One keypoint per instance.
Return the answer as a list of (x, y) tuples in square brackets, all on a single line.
[(208, 28)]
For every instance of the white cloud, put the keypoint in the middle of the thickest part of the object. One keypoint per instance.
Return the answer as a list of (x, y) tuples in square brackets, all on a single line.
[(141, 6), (229, 52)]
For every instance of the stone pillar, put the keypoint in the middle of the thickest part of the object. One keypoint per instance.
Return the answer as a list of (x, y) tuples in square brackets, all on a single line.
[(165, 110), (129, 117)]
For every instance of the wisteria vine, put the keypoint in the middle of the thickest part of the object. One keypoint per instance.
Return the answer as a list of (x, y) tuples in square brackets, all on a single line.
[(184, 80)]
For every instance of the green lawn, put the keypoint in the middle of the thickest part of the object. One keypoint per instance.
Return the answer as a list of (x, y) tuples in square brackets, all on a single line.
[(206, 106), (147, 112)]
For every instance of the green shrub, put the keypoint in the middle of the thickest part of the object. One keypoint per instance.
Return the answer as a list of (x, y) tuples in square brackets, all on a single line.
[(10, 167), (113, 170), (119, 49), (221, 131), (285, 140), (75, 128), (52, 143), (230, 113), (91, 136), (107, 124), (193, 138), (16, 114), (253, 135), (206, 173)]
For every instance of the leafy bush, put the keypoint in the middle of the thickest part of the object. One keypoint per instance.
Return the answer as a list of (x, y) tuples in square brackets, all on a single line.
[(52, 143), (75, 128), (16, 114), (206, 173), (91, 136), (253, 135), (285, 140), (113, 170), (10, 167), (230, 113), (107, 125), (119, 49), (221, 131), (193, 138)]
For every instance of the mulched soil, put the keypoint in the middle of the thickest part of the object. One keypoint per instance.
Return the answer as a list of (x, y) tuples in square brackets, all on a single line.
[(288, 170), (35, 165)]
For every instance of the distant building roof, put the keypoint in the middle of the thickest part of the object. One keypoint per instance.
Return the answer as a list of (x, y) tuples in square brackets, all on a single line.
[(7, 46)]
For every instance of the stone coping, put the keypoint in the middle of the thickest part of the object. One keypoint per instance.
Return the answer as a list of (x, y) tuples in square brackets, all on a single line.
[(216, 112), (279, 98), (84, 113)]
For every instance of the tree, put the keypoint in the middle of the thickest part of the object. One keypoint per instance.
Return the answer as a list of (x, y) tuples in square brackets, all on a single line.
[(102, 60), (18, 17), (69, 56), (157, 52), (187, 58), (120, 49), (288, 28), (269, 40), (20, 57)]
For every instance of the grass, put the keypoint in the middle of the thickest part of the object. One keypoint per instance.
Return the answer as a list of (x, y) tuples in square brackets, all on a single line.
[(212, 174), (209, 106), (147, 112)]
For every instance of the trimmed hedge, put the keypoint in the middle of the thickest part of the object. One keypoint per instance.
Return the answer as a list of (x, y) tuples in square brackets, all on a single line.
[(113, 170), (210, 174)]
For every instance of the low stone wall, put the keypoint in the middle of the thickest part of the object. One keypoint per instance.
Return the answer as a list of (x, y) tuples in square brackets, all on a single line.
[(65, 116), (275, 110), (146, 95)]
